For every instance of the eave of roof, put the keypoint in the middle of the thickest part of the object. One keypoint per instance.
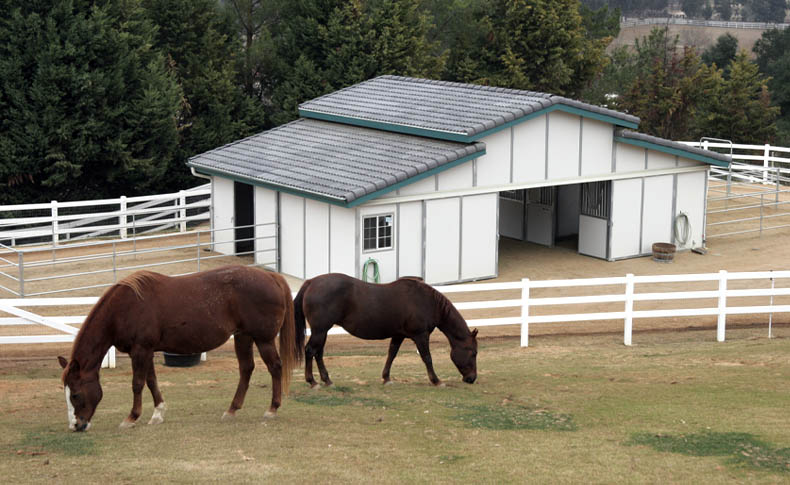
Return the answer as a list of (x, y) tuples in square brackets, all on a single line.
[(337, 164), (672, 148), (506, 107)]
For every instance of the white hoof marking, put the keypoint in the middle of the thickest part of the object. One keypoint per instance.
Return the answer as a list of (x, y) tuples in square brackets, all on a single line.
[(226, 416), (126, 424), (269, 415), (159, 414)]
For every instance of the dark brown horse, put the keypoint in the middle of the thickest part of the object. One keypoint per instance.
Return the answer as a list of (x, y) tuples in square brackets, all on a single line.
[(406, 308), (147, 312)]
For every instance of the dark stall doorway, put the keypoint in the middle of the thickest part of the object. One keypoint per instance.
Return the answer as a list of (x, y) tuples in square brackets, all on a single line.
[(244, 215)]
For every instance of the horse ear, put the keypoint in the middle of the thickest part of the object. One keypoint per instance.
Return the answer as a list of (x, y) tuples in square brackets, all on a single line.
[(474, 333), (63, 362)]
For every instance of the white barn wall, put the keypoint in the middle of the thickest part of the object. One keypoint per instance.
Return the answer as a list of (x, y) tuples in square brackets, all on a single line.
[(442, 248), (292, 209), (629, 158), (478, 236), (316, 238), (597, 143), (691, 201), (658, 160), (223, 223), (387, 258), (409, 239), (626, 218), (423, 186), (342, 235), (564, 129), (493, 168), (657, 211), (529, 150), (265, 235), (459, 177)]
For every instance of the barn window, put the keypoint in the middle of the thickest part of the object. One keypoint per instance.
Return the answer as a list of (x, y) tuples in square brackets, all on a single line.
[(377, 232), (595, 199)]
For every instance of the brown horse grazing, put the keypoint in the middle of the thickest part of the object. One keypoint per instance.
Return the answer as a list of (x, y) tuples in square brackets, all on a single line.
[(406, 308), (148, 311)]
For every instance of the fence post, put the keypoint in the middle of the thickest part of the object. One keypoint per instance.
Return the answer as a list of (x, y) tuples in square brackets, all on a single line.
[(109, 359), (525, 312), (122, 217), (55, 222), (766, 154), (629, 308), (722, 306), (21, 266), (182, 200)]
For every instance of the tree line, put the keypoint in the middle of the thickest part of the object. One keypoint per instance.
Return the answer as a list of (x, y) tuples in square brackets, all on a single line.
[(106, 97)]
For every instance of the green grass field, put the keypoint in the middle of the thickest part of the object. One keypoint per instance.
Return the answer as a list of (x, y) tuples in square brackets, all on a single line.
[(676, 407)]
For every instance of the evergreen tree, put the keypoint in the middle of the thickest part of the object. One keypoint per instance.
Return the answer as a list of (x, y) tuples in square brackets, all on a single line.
[(202, 49), (724, 8), (539, 45), (767, 10), (738, 108), (722, 53), (87, 107)]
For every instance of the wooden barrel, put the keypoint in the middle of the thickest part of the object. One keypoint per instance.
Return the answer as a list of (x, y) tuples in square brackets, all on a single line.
[(664, 252)]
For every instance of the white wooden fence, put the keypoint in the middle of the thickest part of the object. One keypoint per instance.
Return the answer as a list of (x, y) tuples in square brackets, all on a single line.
[(524, 305), (53, 221), (725, 24), (751, 163)]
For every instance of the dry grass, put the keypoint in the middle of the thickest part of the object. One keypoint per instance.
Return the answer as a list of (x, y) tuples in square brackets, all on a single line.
[(567, 409)]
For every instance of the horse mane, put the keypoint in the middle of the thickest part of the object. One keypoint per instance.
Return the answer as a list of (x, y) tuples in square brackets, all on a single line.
[(138, 281)]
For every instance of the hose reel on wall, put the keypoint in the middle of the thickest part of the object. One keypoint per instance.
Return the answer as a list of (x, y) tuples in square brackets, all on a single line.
[(375, 265), (682, 229)]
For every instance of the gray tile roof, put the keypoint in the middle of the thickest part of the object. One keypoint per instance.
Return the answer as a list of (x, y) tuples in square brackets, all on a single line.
[(331, 161), (440, 107), (716, 158)]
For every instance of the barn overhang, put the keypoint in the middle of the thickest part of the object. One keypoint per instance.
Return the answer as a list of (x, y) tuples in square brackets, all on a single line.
[(672, 148)]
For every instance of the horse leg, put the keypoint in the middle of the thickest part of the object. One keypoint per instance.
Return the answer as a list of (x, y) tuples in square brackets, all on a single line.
[(272, 360), (159, 402), (422, 347), (141, 361), (243, 346), (311, 350), (319, 360), (394, 347)]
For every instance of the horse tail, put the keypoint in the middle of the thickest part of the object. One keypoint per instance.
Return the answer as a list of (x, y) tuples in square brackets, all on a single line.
[(291, 342), (299, 312)]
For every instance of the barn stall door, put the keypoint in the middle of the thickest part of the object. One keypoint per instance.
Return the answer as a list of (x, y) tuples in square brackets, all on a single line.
[(626, 218), (478, 236), (244, 217), (594, 218), (542, 215), (511, 213), (442, 232)]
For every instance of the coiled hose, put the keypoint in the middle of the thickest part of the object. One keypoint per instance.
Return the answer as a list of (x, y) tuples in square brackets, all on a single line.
[(682, 229), (376, 275)]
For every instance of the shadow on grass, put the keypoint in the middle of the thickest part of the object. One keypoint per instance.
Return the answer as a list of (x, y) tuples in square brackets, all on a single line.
[(60, 441), (336, 396), (740, 448), (513, 416)]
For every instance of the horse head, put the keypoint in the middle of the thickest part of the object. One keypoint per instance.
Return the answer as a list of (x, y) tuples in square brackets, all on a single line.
[(464, 356), (83, 393)]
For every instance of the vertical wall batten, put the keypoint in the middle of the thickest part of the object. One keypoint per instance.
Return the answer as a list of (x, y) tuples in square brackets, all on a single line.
[(511, 154), (581, 145), (461, 233)]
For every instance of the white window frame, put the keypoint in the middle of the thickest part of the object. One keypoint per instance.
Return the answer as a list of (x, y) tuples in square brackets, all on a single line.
[(379, 236)]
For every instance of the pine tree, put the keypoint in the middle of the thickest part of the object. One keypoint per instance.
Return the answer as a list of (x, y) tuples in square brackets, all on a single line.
[(87, 107)]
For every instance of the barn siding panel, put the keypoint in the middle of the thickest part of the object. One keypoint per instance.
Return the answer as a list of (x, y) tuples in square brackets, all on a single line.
[(493, 168), (478, 236), (316, 238), (563, 145), (341, 240), (410, 239), (691, 201), (657, 211), (266, 235), (597, 146), (529, 150), (629, 158), (292, 235), (626, 217), (442, 231), (223, 215)]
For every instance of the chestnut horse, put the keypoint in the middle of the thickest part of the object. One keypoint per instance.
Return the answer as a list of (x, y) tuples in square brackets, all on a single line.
[(406, 308), (147, 312)]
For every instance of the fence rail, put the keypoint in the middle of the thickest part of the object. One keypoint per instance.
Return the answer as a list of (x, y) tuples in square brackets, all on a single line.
[(632, 22), (55, 221), (629, 294)]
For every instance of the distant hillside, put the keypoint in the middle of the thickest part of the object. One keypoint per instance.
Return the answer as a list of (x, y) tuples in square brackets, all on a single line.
[(691, 35)]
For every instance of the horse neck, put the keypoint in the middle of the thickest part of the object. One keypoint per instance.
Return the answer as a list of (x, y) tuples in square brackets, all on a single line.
[(451, 323), (93, 340)]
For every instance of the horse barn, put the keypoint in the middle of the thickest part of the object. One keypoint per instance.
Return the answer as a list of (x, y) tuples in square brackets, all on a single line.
[(425, 176)]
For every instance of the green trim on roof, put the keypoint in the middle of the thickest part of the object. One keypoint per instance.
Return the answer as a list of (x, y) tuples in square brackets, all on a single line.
[(379, 125), (671, 151), (334, 200), (451, 136)]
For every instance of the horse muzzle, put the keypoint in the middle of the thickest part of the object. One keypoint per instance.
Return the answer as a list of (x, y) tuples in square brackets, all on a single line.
[(80, 426), (470, 379)]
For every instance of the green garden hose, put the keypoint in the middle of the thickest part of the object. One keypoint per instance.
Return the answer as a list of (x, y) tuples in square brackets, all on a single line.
[(376, 275)]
